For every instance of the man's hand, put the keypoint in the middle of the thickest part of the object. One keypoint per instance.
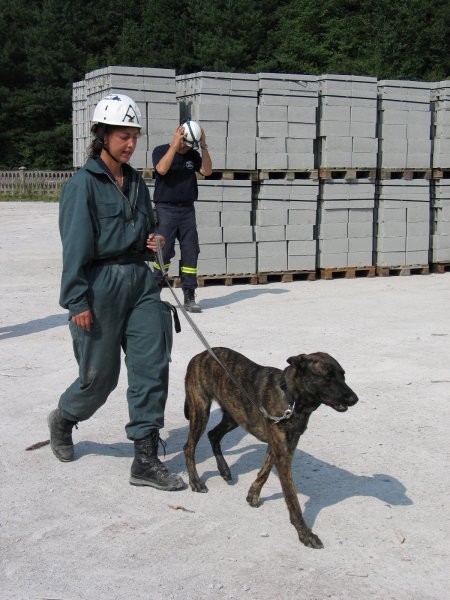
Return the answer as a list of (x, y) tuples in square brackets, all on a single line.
[(178, 138)]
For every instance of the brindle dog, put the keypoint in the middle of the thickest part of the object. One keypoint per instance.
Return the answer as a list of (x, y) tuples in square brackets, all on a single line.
[(309, 381)]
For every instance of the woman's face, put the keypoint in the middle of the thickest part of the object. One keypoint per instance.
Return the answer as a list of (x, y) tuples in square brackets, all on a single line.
[(121, 143)]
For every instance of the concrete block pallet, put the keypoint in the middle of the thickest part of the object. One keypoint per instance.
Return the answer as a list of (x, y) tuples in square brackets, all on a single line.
[(314, 176), (154, 91)]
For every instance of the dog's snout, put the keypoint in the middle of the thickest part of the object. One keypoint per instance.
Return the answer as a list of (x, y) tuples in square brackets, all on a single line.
[(352, 399)]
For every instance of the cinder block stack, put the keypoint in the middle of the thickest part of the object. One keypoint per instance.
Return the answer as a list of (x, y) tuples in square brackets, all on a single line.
[(285, 225), (301, 228), (405, 145), (405, 124), (441, 125), (348, 122), (440, 246), (152, 89), (310, 172), (403, 236), (346, 223), (224, 214), (287, 121), (80, 123), (225, 105)]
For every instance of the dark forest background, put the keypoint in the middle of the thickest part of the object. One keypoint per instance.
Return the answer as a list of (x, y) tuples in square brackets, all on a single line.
[(47, 45)]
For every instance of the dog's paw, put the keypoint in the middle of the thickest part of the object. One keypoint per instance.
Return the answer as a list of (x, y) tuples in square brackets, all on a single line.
[(226, 475), (253, 500), (311, 540), (198, 486)]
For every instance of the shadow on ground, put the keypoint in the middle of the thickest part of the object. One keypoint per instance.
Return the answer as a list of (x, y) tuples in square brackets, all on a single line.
[(323, 483), (35, 326)]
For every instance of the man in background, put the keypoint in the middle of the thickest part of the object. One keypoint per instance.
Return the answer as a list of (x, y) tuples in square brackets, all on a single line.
[(176, 191)]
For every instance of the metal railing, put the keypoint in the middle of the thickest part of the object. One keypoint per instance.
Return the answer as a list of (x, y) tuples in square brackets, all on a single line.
[(30, 184)]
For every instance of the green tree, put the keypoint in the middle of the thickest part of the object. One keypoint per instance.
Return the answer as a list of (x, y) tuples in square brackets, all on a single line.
[(397, 40), (47, 45)]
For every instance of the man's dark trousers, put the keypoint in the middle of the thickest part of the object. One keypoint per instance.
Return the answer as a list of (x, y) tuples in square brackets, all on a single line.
[(177, 222)]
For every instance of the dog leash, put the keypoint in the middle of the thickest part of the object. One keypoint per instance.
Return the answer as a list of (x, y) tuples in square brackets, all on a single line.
[(290, 409)]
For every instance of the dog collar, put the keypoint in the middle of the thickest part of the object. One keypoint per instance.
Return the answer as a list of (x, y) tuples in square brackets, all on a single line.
[(291, 404)]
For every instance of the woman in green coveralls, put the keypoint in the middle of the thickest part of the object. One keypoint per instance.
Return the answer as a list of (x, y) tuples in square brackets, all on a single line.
[(106, 225)]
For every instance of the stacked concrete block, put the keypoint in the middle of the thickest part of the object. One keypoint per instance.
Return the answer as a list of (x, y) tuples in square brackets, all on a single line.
[(287, 117), (152, 89), (225, 105), (277, 125), (441, 125), (80, 123), (301, 228), (403, 225), (348, 122), (346, 224), (285, 223), (271, 214), (440, 245), (224, 215), (405, 124)]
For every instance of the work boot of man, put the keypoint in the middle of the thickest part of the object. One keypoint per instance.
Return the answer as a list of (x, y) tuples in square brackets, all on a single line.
[(189, 301), (147, 469), (61, 436)]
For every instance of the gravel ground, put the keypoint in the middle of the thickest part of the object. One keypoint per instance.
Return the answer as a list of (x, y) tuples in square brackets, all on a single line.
[(373, 482)]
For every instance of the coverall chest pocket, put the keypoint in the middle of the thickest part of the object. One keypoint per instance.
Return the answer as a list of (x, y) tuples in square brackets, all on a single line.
[(111, 226)]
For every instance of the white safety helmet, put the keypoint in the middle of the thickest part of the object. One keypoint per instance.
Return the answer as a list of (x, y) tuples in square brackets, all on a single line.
[(117, 109), (192, 133)]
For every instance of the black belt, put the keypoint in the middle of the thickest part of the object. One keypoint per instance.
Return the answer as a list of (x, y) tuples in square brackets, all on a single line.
[(122, 259), (178, 204)]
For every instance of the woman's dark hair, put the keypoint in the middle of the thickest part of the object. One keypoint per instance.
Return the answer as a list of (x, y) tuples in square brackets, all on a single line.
[(99, 131)]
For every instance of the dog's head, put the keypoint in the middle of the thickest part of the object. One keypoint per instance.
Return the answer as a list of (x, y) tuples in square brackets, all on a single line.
[(316, 379)]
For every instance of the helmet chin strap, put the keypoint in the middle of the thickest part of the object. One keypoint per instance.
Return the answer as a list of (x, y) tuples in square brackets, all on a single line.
[(108, 152)]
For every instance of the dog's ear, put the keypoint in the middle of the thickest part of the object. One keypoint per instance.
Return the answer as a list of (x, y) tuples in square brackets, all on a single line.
[(298, 361)]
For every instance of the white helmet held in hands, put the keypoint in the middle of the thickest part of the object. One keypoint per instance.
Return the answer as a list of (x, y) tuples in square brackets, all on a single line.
[(119, 110), (192, 133)]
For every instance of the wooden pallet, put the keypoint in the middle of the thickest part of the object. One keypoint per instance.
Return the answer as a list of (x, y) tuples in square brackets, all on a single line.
[(441, 174), (286, 276), (250, 278), (288, 174), (403, 270), (440, 267), (406, 174), (148, 173), (230, 175), (327, 174), (347, 272), (235, 279)]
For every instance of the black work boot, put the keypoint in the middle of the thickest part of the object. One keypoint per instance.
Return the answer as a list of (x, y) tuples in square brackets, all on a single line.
[(189, 301), (61, 435), (147, 469)]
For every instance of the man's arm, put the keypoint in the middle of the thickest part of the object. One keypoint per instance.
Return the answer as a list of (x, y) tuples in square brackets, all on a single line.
[(166, 161), (206, 168)]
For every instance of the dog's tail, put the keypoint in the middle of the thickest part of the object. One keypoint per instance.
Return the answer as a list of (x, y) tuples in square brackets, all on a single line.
[(186, 409)]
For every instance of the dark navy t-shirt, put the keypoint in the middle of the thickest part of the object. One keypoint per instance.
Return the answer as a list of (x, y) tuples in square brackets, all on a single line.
[(179, 184)]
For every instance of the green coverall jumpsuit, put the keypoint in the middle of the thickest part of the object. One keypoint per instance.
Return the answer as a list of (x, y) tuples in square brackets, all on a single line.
[(98, 221)]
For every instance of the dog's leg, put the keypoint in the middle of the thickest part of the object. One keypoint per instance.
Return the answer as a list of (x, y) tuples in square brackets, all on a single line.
[(255, 489), (283, 465), (198, 410), (215, 436)]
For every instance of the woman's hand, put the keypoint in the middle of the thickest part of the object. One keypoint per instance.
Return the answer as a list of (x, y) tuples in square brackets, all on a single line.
[(83, 320), (153, 239)]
